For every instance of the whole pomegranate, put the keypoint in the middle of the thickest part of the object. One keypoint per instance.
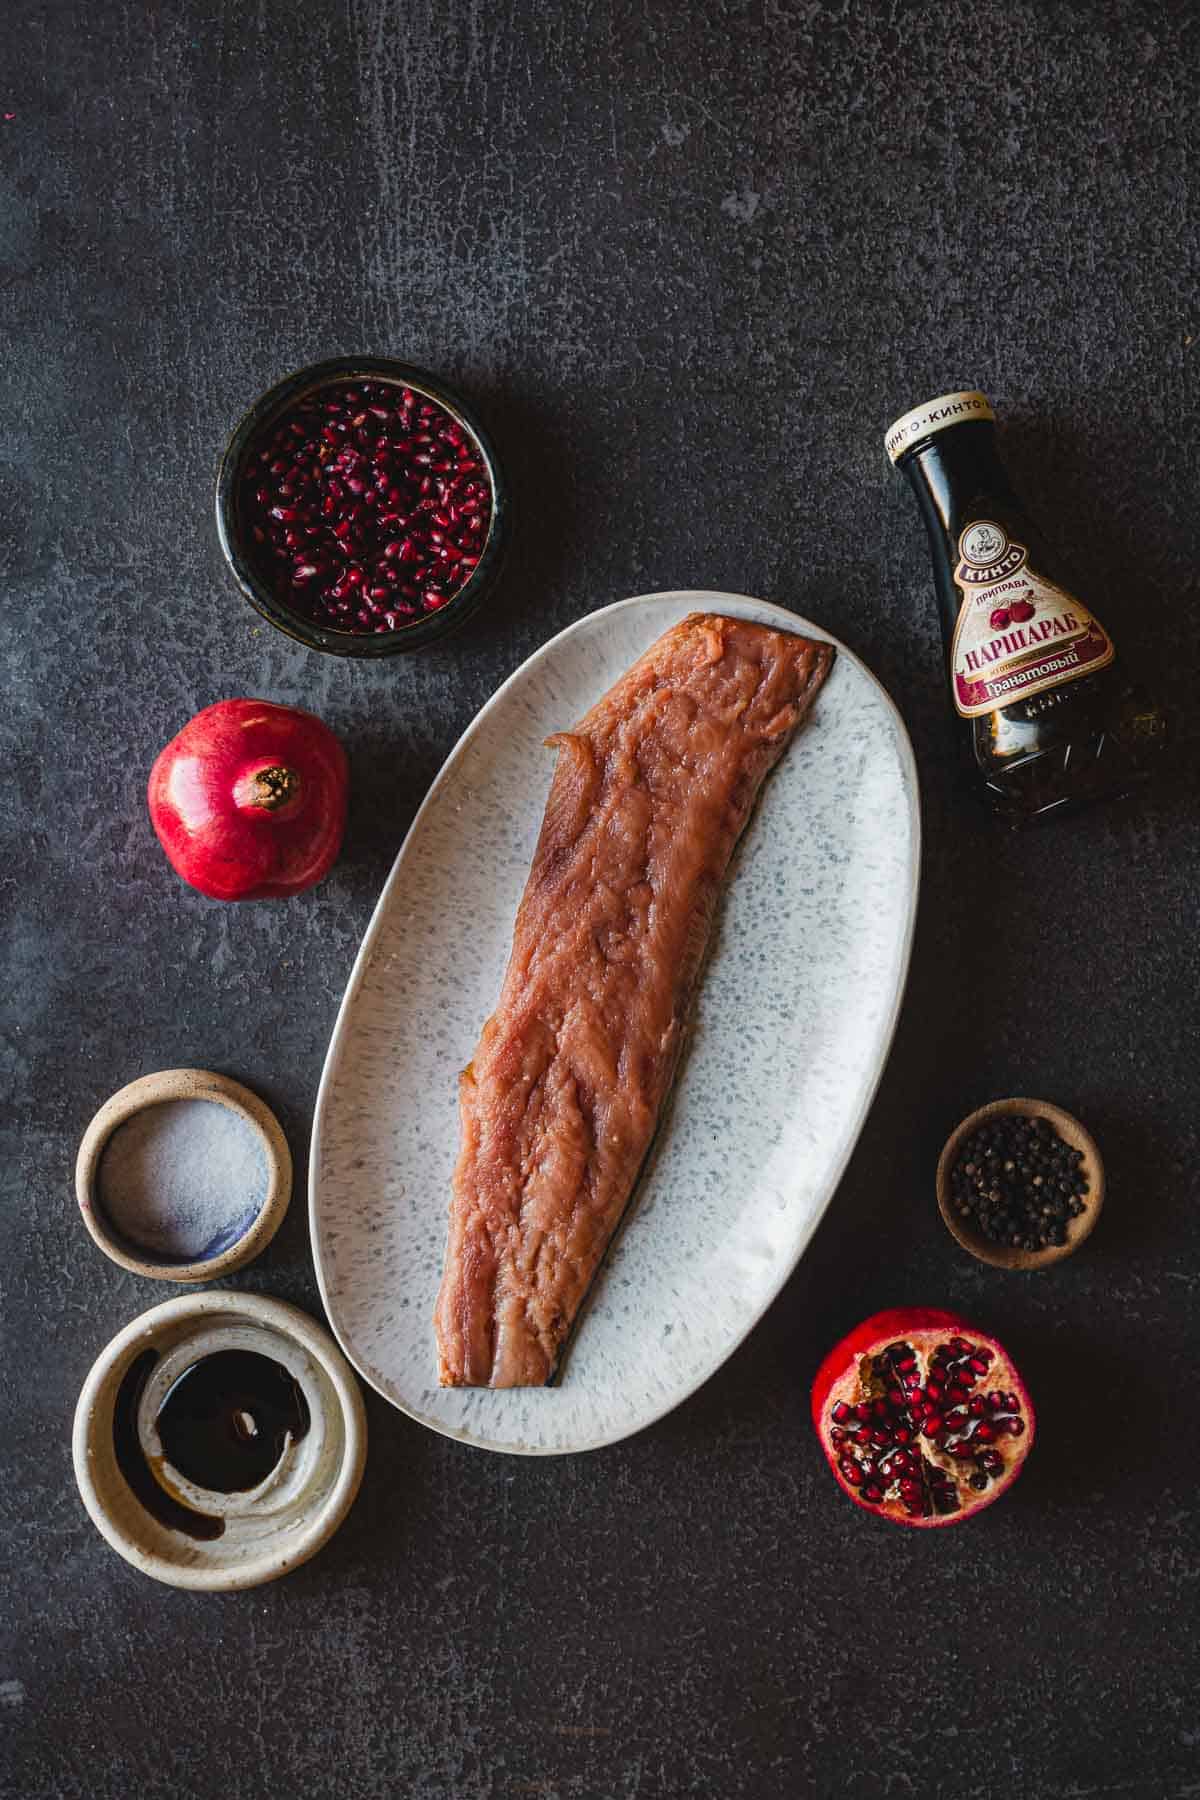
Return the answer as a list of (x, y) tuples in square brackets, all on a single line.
[(923, 1419), (1021, 611), (1001, 619), (249, 800)]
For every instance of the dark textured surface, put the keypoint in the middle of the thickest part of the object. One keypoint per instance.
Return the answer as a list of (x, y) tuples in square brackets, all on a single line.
[(690, 265)]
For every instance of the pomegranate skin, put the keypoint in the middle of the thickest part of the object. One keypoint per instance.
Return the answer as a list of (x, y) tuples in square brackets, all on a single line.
[(249, 800), (905, 1323)]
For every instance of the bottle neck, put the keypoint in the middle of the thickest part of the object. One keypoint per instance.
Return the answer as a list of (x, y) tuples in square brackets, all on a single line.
[(958, 477)]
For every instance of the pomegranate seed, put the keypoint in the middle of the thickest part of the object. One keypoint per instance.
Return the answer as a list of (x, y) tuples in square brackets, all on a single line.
[(841, 1412), (375, 474), (1013, 1426), (851, 1471)]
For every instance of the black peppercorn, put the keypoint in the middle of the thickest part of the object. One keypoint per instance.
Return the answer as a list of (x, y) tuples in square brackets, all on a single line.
[(1018, 1183)]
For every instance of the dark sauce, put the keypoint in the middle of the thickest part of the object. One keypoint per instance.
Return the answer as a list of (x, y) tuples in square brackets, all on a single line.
[(134, 1466), (224, 1424), (226, 1421)]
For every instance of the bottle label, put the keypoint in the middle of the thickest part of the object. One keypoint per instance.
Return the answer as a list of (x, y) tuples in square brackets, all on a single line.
[(923, 421), (1017, 633)]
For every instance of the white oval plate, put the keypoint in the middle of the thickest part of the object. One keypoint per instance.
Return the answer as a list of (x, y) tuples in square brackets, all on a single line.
[(796, 1012)]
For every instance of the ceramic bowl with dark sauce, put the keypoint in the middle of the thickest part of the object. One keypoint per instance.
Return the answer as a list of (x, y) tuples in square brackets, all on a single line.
[(362, 509), (219, 1441)]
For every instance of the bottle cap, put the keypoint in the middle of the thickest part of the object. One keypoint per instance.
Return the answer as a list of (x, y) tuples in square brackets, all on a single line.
[(935, 415)]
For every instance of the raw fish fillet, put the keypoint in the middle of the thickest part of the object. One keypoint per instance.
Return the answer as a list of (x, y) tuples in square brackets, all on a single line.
[(561, 1099)]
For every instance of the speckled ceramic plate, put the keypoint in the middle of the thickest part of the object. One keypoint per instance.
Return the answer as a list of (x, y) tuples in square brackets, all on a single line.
[(795, 1015)]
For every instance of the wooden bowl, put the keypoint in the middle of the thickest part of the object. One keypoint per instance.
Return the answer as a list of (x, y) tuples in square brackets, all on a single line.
[(1007, 1256)]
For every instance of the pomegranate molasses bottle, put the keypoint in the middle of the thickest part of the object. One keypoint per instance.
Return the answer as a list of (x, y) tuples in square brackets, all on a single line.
[(1052, 721)]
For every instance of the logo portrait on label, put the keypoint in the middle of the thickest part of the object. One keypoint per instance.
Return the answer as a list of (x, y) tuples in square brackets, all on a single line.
[(1017, 633)]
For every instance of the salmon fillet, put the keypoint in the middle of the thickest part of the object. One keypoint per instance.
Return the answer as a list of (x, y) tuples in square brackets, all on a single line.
[(562, 1097)]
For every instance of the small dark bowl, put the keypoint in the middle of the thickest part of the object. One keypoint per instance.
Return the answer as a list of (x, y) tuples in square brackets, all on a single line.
[(261, 416)]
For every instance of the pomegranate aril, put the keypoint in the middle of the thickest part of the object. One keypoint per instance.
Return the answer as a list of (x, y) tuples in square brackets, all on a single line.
[(841, 1412), (345, 477)]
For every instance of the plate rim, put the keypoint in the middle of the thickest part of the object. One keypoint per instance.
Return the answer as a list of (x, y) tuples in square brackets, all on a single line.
[(706, 599)]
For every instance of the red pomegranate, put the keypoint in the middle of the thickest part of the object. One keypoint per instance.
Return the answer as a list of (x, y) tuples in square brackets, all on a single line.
[(923, 1419), (1000, 619), (1021, 611), (249, 801)]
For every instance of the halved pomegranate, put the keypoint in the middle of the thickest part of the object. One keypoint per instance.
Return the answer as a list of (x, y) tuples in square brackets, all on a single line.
[(923, 1419)]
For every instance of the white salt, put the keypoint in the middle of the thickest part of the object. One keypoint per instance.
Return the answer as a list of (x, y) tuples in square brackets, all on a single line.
[(183, 1179)]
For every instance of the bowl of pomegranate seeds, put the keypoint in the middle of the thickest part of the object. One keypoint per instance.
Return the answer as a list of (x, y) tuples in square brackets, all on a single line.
[(361, 508)]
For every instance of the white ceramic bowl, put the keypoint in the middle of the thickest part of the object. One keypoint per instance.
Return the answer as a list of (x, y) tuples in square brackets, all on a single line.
[(266, 1531), (245, 1233)]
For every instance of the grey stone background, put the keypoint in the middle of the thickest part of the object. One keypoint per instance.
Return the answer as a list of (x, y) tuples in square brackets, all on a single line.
[(690, 262)]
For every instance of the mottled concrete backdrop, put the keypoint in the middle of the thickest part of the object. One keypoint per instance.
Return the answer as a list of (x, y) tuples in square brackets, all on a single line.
[(690, 261)]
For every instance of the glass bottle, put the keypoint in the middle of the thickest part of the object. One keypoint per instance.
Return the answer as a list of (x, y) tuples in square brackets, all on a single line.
[(1051, 719)]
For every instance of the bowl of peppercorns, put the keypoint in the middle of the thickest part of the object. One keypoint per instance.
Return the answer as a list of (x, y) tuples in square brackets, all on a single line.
[(1020, 1184)]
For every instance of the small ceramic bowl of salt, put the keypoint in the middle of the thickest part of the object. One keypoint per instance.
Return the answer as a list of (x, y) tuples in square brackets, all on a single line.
[(183, 1176)]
